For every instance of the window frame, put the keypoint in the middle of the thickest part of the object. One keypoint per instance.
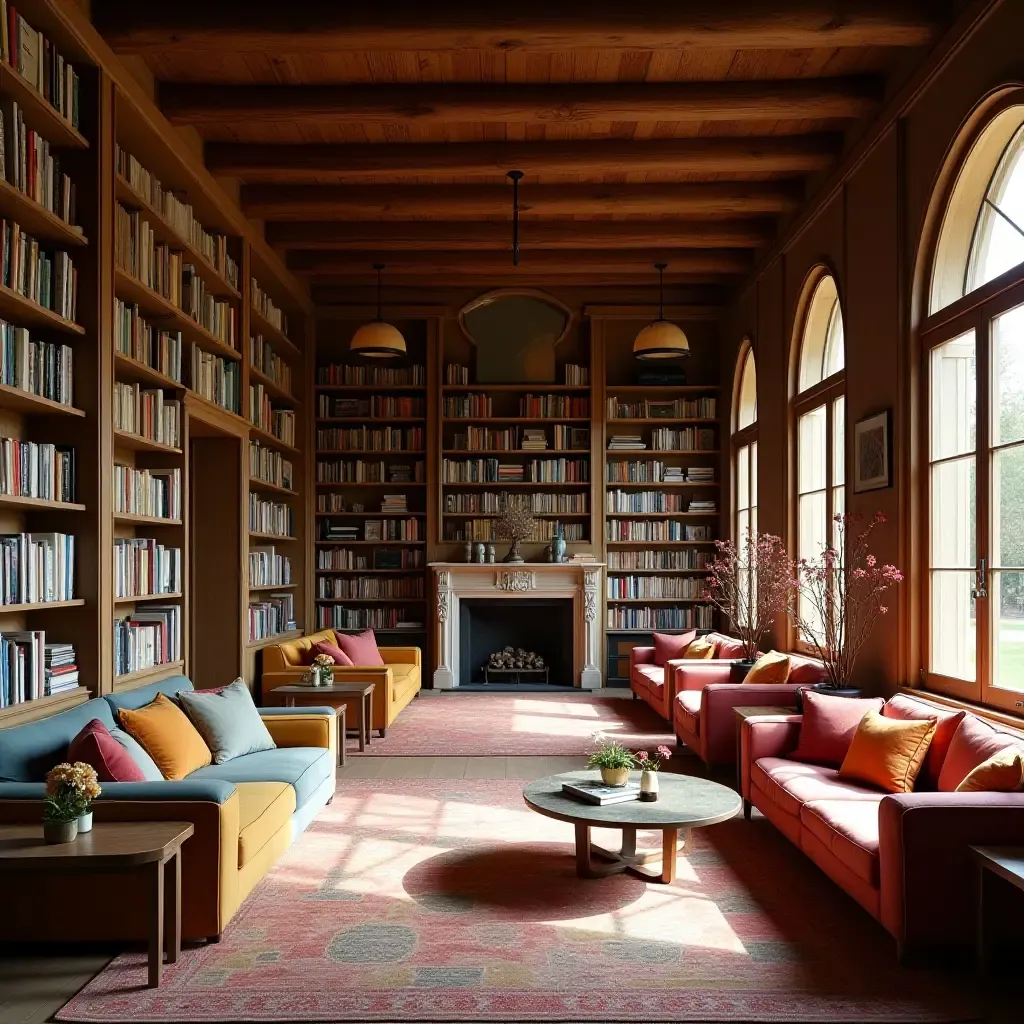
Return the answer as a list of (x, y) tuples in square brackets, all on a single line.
[(740, 439)]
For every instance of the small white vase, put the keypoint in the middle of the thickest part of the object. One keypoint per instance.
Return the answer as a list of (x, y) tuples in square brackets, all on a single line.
[(649, 786), (615, 776), (85, 822)]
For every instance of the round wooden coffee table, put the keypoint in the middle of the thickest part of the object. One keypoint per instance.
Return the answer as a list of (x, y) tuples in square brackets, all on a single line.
[(684, 803)]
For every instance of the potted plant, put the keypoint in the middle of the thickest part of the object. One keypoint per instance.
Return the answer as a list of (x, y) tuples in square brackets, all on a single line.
[(841, 594), (614, 760), (70, 791), (649, 766), (751, 583), (515, 524), (323, 674)]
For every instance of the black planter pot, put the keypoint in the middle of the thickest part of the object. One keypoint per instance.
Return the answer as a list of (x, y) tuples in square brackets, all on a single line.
[(829, 690)]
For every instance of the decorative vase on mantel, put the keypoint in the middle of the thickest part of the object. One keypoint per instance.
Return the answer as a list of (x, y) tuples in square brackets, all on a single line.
[(558, 544), (615, 776), (514, 556)]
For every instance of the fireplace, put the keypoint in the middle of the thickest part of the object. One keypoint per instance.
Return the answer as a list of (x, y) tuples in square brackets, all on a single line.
[(540, 624)]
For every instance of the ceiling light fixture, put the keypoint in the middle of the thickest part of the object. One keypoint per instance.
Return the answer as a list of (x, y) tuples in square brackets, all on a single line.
[(661, 339), (516, 177), (377, 339)]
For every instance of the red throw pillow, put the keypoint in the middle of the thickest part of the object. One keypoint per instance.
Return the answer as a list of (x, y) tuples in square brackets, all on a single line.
[(94, 745), (361, 648), (333, 650), (946, 724), (668, 645), (973, 743), (728, 648), (828, 726)]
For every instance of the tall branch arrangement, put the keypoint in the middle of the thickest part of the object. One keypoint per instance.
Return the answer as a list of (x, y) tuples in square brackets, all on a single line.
[(751, 583), (515, 523), (842, 591)]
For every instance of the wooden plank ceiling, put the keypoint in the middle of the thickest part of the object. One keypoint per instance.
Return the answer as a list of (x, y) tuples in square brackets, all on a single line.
[(682, 132)]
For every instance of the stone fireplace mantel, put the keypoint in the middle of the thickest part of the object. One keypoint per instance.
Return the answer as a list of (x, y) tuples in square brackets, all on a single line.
[(578, 581)]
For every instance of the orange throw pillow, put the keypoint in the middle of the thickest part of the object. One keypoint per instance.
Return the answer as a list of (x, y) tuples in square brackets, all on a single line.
[(701, 648), (887, 752), (1001, 773), (772, 667), (168, 736)]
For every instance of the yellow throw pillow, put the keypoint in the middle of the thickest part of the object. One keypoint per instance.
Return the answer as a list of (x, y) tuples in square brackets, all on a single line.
[(888, 752), (701, 648), (168, 736), (772, 667), (1001, 773)]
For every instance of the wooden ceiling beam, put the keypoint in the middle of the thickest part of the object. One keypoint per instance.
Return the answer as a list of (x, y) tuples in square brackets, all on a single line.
[(492, 236), (374, 202), (323, 163), (206, 106), (317, 26)]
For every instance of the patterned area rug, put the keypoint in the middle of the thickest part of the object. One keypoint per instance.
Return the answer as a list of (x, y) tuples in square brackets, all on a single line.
[(430, 900), (484, 724)]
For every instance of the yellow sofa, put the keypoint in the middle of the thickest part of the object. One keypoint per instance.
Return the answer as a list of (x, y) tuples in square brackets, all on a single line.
[(397, 681), (246, 813)]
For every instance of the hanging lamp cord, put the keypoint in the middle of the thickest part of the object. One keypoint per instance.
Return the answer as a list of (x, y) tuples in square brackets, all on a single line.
[(379, 267), (661, 289), (515, 176)]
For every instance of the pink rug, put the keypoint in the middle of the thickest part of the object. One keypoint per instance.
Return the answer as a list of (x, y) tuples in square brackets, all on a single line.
[(430, 900), (485, 724)]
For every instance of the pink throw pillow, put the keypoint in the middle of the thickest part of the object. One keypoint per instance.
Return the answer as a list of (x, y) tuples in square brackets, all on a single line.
[(668, 646), (361, 648), (94, 745), (973, 742), (728, 647), (332, 650), (805, 671), (946, 724), (828, 725)]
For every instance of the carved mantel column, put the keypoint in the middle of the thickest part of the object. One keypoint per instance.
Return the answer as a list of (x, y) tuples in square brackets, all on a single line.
[(444, 676)]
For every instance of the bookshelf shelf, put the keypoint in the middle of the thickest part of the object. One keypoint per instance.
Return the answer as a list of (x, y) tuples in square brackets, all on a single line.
[(138, 443), (659, 485), (371, 515), (277, 638), (132, 369), (655, 600), (660, 515), (131, 517), (515, 419), (661, 389), (660, 421), (639, 453), (372, 483), (270, 439), (272, 388), (36, 219), (369, 544), (536, 515), (368, 387), (574, 389), (41, 606), (558, 452), (272, 586), (658, 544), (255, 484), (272, 536), (15, 306), (148, 597), (369, 451), (34, 405), (414, 571), (15, 501), (38, 112), (43, 707), (259, 324), (130, 680), (522, 483), (371, 600)]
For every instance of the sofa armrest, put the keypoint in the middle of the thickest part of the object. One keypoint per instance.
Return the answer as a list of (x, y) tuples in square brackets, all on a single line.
[(693, 674), (304, 727), (927, 888), (640, 656), (401, 656), (210, 790), (766, 736), (718, 721)]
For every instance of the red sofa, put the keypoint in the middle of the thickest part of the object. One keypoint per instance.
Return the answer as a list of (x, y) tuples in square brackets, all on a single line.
[(903, 857), (653, 683), (705, 692)]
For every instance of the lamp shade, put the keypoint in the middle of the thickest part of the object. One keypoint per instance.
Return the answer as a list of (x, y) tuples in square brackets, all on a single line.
[(661, 340), (378, 340)]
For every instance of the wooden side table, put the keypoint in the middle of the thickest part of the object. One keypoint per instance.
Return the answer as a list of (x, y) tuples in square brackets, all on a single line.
[(150, 847), (742, 713), (358, 696), (1004, 862)]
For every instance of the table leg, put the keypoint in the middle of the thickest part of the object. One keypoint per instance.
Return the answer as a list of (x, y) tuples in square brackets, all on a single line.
[(156, 922), (669, 846), (368, 716), (362, 724), (290, 701), (628, 843), (980, 948), (341, 735), (584, 868), (172, 912)]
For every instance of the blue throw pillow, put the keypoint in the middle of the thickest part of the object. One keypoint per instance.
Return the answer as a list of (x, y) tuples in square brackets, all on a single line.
[(227, 720), (137, 752)]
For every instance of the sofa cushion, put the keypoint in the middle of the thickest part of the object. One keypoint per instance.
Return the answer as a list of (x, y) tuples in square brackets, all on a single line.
[(95, 746), (701, 649), (1001, 773), (650, 674), (135, 699), (947, 722), (264, 808), (668, 646), (332, 650), (688, 702), (973, 742), (728, 648), (303, 768), (828, 725), (360, 647), (887, 752), (169, 737), (791, 784), (137, 752), (228, 721), (805, 671), (772, 667), (849, 830)]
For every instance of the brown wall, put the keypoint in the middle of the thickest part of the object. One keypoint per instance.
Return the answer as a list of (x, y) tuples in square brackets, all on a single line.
[(869, 233)]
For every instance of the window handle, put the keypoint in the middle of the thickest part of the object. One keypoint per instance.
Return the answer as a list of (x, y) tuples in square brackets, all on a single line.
[(980, 589)]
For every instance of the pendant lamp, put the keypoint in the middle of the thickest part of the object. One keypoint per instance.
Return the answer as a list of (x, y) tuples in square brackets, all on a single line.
[(661, 339), (377, 339)]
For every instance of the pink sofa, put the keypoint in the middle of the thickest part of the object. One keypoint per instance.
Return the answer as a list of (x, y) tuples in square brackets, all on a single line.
[(653, 683), (705, 692), (903, 857)]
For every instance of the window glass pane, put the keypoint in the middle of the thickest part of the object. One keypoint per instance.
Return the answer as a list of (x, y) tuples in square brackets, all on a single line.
[(747, 406), (812, 533), (1008, 508), (1008, 377), (839, 440), (834, 349), (953, 626), (838, 508), (953, 397), (743, 477), (811, 451), (742, 525), (998, 242), (753, 475), (821, 343), (953, 515), (1008, 623)]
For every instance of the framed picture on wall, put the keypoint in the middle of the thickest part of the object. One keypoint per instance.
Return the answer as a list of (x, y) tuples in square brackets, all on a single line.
[(872, 453)]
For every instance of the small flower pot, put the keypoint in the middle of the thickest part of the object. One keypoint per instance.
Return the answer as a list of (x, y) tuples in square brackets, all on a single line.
[(615, 776), (55, 832), (649, 786), (85, 822)]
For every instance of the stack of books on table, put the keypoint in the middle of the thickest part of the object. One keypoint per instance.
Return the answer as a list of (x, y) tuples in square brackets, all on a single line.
[(394, 503), (534, 440), (626, 443), (60, 669), (596, 792)]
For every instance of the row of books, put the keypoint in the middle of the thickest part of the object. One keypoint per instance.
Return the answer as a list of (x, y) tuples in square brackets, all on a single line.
[(689, 439), (577, 376), (387, 439), (143, 567), (30, 668), (511, 439), (267, 308), (333, 502), (148, 412), (29, 164), (456, 374), (455, 471), (40, 368), (548, 406), (339, 471), (574, 375), (267, 568), (148, 637), (216, 379), (394, 504), (136, 338), (632, 588), (32, 470), (279, 422), (658, 473), (178, 214), (263, 357), (270, 517), (270, 466), (679, 561), (147, 492), (46, 277), (654, 530), (492, 503), (651, 409), (465, 407), (37, 568), (644, 501), (373, 530), (543, 530), (347, 560), (380, 376), (697, 616), (334, 616), (375, 407), (271, 616), (369, 589)]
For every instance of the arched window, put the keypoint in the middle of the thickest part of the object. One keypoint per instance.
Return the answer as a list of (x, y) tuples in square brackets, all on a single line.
[(744, 451), (973, 348), (819, 409)]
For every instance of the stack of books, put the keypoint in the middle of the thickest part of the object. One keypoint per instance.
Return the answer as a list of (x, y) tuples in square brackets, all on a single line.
[(394, 503), (675, 475), (626, 443), (703, 506), (596, 792), (534, 440), (701, 475), (340, 531), (60, 669), (509, 472), (403, 474)]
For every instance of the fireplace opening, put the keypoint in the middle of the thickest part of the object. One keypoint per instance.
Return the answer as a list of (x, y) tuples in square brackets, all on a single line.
[(541, 627)]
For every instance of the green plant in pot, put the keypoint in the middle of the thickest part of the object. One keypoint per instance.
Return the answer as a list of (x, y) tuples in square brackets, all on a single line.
[(70, 791), (841, 597), (614, 760)]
